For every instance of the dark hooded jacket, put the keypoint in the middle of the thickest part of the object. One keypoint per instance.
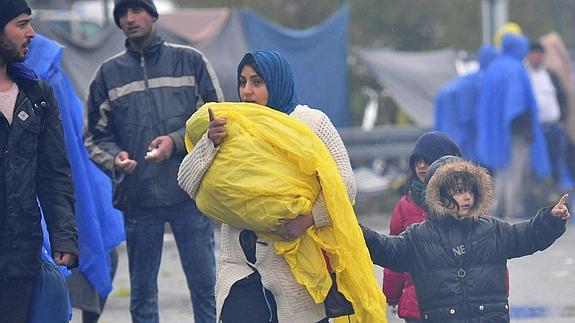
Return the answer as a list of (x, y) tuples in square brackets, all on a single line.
[(34, 167), (459, 265)]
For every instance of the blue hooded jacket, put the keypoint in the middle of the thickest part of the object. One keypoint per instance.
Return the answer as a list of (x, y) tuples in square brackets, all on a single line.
[(505, 94), (455, 105), (100, 226)]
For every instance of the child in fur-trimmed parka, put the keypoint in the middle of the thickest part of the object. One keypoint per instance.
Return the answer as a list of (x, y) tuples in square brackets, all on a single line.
[(457, 258)]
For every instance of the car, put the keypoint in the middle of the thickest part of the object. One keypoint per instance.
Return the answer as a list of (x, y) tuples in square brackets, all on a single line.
[(69, 23), (94, 9)]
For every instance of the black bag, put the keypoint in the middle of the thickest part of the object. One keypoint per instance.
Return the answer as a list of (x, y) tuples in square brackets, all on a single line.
[(248, 241), (335, 303)]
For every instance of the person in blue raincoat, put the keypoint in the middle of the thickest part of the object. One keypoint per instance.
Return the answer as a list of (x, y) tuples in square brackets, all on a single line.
[(510, 139), (456, 102), (100, 226)]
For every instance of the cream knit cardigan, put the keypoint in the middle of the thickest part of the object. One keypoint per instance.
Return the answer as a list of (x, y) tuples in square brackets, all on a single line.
[(294, 304)]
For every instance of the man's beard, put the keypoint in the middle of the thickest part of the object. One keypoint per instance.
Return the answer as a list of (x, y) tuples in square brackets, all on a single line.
[(9, 51)]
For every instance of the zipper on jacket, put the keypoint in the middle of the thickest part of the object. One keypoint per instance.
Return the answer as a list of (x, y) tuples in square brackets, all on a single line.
[(150, 113), (462, 274), (143, 65)]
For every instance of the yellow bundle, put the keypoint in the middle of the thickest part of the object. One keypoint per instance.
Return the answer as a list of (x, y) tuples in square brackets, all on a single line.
[(272, 167)]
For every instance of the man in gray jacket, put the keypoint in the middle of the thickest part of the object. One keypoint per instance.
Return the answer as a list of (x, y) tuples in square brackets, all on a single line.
[(137, 107)]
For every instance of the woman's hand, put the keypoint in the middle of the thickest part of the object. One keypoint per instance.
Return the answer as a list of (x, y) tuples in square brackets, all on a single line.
[(217, 130), (293, 229), (561, 210)]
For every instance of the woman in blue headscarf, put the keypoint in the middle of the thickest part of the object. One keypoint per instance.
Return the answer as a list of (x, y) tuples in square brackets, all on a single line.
[(253, 283)]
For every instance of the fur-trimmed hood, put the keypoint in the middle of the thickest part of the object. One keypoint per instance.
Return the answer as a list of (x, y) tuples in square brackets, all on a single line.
[(442, 172)]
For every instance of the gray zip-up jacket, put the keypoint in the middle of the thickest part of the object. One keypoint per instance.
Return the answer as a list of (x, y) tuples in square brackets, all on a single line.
[(136, 97)]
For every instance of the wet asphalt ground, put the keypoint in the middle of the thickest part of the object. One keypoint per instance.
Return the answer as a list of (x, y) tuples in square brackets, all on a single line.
[(542, 286)]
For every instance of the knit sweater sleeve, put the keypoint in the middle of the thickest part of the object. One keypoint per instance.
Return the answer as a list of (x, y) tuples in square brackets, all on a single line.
[(195, 165), (321, 125)]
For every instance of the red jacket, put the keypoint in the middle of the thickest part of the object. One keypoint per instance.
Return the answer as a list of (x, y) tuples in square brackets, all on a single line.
[(398, 287)]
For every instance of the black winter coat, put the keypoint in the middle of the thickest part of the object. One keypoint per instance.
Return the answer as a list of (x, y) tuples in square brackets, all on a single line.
[(458, 262), (458, 266), (34, 167)]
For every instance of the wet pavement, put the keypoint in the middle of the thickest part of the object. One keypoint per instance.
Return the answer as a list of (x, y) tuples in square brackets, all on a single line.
[(542, 286)]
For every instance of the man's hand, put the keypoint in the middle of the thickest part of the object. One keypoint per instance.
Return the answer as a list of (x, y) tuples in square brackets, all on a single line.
[(293, 229), (217, 130), (160, 149), (64, 258), (123, 162), (561, 210)]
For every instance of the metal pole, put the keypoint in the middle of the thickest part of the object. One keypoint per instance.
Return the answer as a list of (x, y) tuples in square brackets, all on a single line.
[(500, 14), (486, 21), (493, 16), (106, 13)]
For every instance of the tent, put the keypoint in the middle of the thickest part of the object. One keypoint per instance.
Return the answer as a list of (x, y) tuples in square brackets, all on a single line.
[(319, 60), (412, 78)]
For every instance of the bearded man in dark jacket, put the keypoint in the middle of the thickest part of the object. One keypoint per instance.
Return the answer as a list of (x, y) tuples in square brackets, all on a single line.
[(33, 167), (457, 258)]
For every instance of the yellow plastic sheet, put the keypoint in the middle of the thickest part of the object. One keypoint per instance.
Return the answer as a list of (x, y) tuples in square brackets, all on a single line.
[(345, 319), (272, 167)]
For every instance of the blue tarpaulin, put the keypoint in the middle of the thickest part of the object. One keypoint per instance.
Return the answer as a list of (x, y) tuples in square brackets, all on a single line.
[(318, 57), (100, 226)]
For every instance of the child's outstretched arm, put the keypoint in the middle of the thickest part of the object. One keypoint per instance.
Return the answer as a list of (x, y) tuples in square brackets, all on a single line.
[(560, 209), (387, 251), (538, 233)]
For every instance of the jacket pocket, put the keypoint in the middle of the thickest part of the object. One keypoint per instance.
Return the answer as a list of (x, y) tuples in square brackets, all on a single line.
[(28, 139)]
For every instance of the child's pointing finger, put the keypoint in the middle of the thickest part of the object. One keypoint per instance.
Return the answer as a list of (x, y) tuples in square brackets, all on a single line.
[(563, 199)]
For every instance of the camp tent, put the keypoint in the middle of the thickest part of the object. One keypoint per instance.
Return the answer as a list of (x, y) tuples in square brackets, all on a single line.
[(412, 78), (224, 35)]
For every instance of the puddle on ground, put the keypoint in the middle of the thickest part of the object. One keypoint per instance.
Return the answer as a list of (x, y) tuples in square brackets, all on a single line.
[(521, 312), (567, 311), (529, 312)]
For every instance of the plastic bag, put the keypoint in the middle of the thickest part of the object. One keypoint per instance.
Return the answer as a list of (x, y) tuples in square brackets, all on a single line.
[(49, 302)]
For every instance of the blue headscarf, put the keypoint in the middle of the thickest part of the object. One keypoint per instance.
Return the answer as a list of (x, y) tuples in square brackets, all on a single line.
[(276, 72)]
